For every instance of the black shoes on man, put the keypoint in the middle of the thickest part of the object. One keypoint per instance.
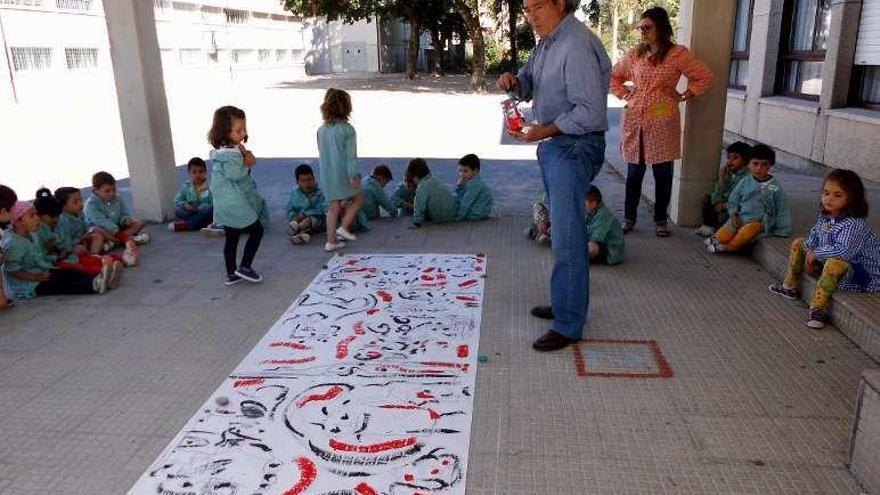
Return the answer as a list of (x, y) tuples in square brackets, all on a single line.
[(552, 340)]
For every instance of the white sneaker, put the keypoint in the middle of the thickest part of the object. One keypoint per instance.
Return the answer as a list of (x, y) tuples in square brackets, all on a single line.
[(115, 275), (292, 228), (213, 230), (99, 283), (130, 255), (714, 248), (709, 240), (141, 238), (348, 236), (705, 231), (302, 238), (330, 247)]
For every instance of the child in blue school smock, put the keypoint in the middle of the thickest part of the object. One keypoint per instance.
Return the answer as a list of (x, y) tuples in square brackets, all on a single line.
[(107, 215), (433, 201), (28, 274), (757, 205), (841, 248), (8, 198), (606, 244), (373, 189), (307, 207), (238, 205), (404, 196), (73, 234), (340, 177), (193, 204), (473, 198)]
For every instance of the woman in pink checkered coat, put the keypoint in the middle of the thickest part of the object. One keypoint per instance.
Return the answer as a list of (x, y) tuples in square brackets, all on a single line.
[(650, 124)]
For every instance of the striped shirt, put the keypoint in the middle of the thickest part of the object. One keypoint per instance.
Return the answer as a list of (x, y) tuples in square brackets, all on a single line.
[(852, 240)]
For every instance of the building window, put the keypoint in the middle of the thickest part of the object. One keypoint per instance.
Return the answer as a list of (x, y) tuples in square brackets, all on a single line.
[(802, 51), (739, 56), (84, 5), (298, 56), (234, 16), (265, 56), (81, 58), (282, 56), (866, 86), (31, 58), (241, 57)]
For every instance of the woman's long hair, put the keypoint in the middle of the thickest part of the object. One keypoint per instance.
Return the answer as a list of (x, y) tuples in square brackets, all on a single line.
[(664, 35)]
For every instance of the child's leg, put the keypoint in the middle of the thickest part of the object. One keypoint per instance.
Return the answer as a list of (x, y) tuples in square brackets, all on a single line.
[(182, 213), (317, 223), (726, 233), (744, 235), (255, 235), (65, 281), (354, 205), (199, 219), (796, 259), (333, 221), (94, 242), (230, 248), (133, 227), (832, 272), (3, 298)]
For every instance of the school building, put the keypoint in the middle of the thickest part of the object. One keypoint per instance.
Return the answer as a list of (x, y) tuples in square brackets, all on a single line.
[(805, 79)]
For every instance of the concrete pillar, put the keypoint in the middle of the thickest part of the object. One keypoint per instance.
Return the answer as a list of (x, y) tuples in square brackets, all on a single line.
[(707, 29), (763, 54), (143, 108), (840, 51)]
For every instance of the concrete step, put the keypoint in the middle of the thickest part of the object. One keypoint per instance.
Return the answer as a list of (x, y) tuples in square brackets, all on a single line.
[(864, 449), (856, 315)]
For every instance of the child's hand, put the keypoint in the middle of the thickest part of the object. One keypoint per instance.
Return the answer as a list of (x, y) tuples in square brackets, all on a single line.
[(80, 250), (355, 182), (249, 159), (720, 207), (299, 218), (544, 227), (190, 207), (42, 276), (737, 221), (811, 261)]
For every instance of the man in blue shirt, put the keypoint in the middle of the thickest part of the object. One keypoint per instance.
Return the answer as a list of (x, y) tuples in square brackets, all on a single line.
[(567, 78)]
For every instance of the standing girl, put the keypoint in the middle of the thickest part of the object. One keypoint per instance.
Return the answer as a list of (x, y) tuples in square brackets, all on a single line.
[(340, 177), (238, 206), (841, 246)]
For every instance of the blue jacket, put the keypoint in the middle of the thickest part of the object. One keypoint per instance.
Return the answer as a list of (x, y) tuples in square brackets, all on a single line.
[(188, 195), (22, 255), (307, 205), (237, 202), (107, 215), (473, 200), (762, 201), (433, 202), (852, 240)]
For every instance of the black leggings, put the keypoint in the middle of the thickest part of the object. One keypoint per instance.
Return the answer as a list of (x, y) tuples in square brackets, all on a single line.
[(66, 281), (635, 173), (230, 248)]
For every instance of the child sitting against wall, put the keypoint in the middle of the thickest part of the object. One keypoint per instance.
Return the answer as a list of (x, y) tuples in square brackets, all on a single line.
[(605, 245), (539, 229), (194, 205), (715, 204), (373, 189), (473, 198), (404, 196), (307, 207), (73, 232), (757, 206), (107, 215), (433, 201), (841, 248), (8, 198), (28, 274)]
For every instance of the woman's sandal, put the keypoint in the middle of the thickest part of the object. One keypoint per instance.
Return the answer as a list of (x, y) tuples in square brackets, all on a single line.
[(662, 230), (628, 226)]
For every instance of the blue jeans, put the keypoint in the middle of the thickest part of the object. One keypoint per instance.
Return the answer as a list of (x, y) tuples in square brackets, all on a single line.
[(195, 219), (568, 166)]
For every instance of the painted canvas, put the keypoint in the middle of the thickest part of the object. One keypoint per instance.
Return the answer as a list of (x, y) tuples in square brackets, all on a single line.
[(363, 387)]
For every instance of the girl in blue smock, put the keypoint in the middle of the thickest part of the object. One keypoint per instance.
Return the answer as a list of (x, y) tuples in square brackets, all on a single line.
[(340, 176), (238, 205)]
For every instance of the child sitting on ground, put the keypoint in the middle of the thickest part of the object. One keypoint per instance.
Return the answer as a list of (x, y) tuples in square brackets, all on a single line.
[(194, 205), (108, 216), (433, 201), (73, 233), (757, 205), (539, 229), (8, 199), (373, 188), (715, 204), (473, 198), (56, 249), (404, 196), (606, 244), (29, 275), (307, 207), (841, 247)]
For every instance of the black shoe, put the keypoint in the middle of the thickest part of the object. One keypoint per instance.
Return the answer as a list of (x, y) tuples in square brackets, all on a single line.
[(232, 280), (543, 312), (249, 274), (552, 341)]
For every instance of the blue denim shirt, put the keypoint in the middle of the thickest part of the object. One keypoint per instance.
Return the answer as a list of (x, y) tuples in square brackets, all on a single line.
[(568, 76)]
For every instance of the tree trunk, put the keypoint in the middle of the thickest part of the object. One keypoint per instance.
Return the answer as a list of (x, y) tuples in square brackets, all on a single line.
[(511, 24), (412, 50), (615, 30), (472, 21), (437, 44)]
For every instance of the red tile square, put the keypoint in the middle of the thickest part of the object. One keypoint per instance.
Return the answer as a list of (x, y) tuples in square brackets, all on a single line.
[(620, 359)]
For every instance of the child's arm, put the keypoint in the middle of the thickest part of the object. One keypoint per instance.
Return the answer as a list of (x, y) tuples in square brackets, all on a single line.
[(464, 200), (124, 214), (351, 161), (293, 208), (848, 243), (420, 207), (600, 226), (733, 203), (230, 164), (181, 199), (782, 217), (386, 204), (95, 217)]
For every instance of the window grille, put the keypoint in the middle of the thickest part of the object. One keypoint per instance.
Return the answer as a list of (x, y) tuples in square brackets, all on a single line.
[(31, 58)]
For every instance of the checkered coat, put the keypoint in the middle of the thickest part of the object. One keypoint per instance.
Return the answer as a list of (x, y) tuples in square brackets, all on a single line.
[(652, 109)]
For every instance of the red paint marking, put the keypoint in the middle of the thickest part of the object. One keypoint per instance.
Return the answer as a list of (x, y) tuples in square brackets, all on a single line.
[(308, 473), (435, 471), (359, 328), (462, 351), (385, 296), (248, 383), (351, 262), (429, 269), (373, 448), (445, 462), (463, 367), (374, 354), (360, 270), (331, 394), (424, 395), (408, 477), (290, 345), (478, 268), (342, 346), (365, 489), (290, 361), (581, 369), (468, 283), (372, 311), (432, 413), (427, 277), (466, 298)]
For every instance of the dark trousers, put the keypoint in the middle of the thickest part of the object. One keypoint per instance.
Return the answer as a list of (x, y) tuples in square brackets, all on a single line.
[(711, 217), (230, 249), (66, 281), (635, 174), (195, 219)]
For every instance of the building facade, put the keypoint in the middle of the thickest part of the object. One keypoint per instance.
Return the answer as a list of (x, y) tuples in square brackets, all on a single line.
[(805, 79)]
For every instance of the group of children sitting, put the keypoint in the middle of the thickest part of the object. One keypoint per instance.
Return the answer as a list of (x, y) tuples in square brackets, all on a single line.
[(59, 244)]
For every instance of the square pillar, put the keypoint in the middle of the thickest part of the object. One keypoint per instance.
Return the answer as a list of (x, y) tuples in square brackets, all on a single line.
[(763, 56), (840, 52), (143, 107), (707, 29)]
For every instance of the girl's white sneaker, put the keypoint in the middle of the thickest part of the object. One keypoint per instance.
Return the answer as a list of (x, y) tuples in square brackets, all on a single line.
[(330, 246), (345, 234)]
